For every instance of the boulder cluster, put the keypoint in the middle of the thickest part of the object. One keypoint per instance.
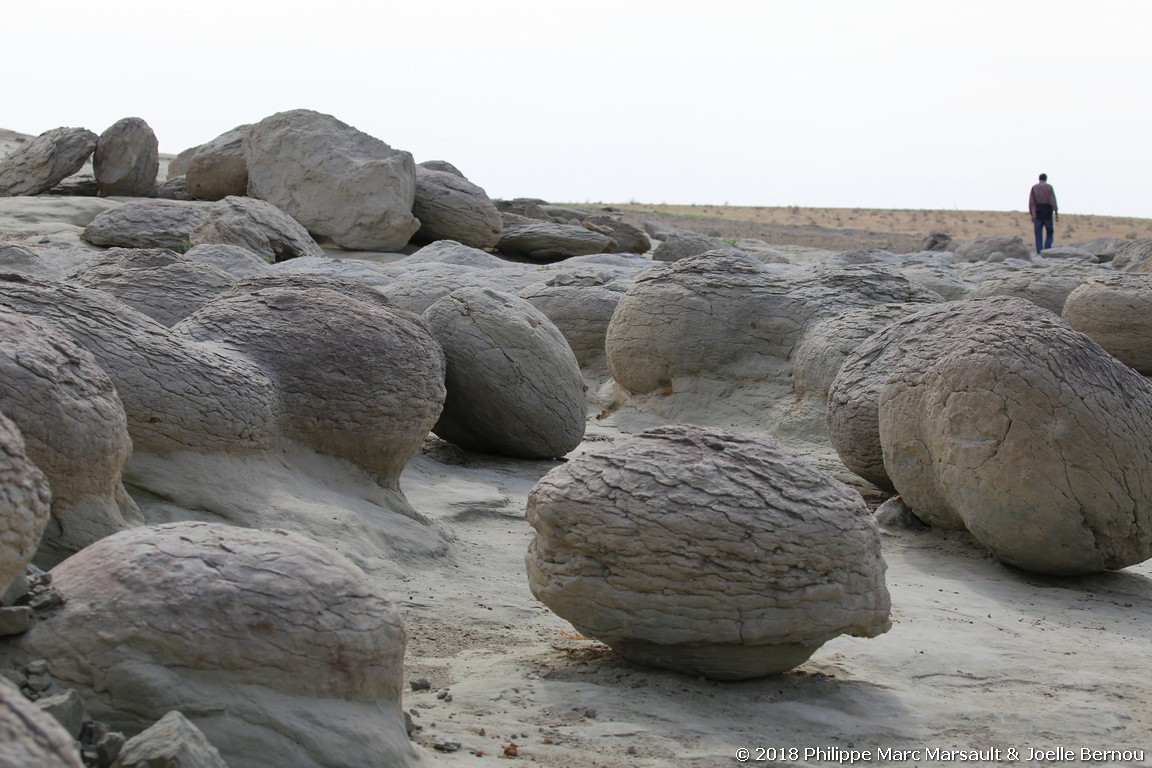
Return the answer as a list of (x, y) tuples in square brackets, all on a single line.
[(298, 296)]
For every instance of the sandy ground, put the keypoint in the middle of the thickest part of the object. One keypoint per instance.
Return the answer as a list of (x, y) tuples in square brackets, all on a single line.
[(980, 656)]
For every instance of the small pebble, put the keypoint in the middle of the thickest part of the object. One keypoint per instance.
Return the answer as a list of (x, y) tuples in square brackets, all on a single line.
[(420, 684)]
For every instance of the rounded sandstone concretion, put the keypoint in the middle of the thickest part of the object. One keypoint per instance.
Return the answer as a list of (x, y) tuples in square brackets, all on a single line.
[(706, 552), (24, 504), (514, 386)]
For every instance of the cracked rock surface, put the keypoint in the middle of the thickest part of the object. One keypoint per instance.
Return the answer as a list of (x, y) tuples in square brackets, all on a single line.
[(1116, 312), (1000, 418), (160, 283), (706, 552), (177, 394), (279, 649), (24, 503), (357, 377), (74, 429), (30, 737), (514, 386)]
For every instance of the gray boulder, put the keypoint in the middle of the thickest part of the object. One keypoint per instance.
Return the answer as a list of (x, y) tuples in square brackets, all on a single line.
[(236, 260), (994, 249), (177, 395), (279, 649), (357, 377), (681, 244), (549, 242), (159, 283), (1115, 311), (450, 207), (1046, 286), (40, 164), (74, 429), (581, 304), (340, 183), (256, 225), (29, 737), (705, 552), (1131, 255), (1026, 433), (24, 504), (625, 237), (146, 224), (217, 169), (127, 159), (514, 386), (171, 742)]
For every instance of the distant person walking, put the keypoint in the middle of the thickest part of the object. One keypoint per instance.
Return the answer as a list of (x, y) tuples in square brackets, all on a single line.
[(1042, 207)]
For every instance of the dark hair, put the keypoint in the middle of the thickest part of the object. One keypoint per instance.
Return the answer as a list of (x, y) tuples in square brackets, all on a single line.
[(1043, 177)]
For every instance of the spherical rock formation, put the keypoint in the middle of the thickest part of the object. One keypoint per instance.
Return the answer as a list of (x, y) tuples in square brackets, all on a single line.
[(74, 429), (24, 504), (514, 386), (357, 377), (177, 395), (1116, 312), (706, 552), (29, 736), (279, 649), (160, 283), (1028, 434)]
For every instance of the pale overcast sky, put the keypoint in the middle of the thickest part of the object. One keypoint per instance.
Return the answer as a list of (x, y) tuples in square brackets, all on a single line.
[(837, 103)]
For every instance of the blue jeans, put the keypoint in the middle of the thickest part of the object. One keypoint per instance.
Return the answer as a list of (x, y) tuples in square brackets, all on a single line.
[(1042, 225)]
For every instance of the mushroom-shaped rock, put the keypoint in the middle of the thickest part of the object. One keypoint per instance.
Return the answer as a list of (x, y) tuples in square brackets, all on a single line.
[(340, 183), (177, 395), (126, 159), (706, 552), (1028, 434), (514, 386), (146, 224), (24, 503), (160, 283), (258, 226), (450, 207), (1116, 312), (74, 429), (357, 377), (279, 649), (45, 161), (29, 736)]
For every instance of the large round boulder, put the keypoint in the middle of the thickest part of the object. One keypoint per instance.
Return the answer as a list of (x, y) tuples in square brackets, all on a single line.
[(357, 377), (705, 552), (514, 386), (74, 429), (1027, 433), (127, 159), (159, 283), (340, 183), (1116, 312), (177, 395), (24, 503), (30, 737), (450, 207), (146, 224), (278, 648), (580, 303)]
